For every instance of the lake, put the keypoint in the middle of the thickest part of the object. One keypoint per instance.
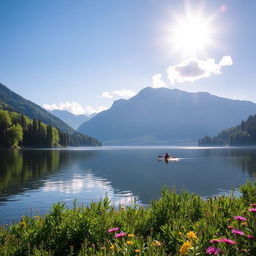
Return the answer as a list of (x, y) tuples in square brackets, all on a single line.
[(31, 180)]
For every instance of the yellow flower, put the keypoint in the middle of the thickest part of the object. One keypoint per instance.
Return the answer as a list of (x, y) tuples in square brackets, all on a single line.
[(180, 234), (112, 247), (156, 243), (137, 250), (130, 235), (129, 242), (23, 224), (185, 247), (191, 235), (244, 223)]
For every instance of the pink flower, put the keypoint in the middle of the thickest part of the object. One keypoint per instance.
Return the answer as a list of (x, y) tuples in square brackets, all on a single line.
[(113, 230), (230, 227), (240, 218), (252, 210), (213, 250), (227, 241), (215, 241), (253, 205), (250, 237), (120, 235), (237, 232)]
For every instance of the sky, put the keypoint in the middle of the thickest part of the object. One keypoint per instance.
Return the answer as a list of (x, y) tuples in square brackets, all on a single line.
[(81, 55)]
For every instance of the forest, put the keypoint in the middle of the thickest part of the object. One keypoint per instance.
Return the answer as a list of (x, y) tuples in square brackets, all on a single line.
[(17, 130), (243, 134)]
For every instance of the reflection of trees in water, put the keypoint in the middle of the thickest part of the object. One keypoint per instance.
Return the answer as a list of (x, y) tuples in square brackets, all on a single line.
[(244, 158), (26, 169)]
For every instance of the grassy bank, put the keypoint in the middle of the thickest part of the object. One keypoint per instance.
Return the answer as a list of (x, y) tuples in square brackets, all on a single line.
[(176, 224)]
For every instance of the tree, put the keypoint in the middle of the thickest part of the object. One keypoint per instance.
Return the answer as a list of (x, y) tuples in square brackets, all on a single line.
[(14, 135)]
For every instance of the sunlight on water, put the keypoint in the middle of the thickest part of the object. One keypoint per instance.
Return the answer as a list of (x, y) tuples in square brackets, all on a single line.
[(35, 179)]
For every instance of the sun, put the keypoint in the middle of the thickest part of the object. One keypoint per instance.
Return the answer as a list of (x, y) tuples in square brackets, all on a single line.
[(192, 34)]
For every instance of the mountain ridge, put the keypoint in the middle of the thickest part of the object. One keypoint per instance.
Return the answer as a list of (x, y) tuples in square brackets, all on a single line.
[(72, 120), (31, 109), (167, 116)]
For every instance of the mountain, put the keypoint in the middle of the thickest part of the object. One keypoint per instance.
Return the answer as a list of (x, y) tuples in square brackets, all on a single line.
[(30, 109), (72, 120), (166, 116), (243, 134)]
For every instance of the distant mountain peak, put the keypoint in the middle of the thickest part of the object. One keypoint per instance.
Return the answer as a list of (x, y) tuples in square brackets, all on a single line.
[(167, 116)]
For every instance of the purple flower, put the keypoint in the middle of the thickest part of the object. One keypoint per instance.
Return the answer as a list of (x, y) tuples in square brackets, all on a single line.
[(240, 218), (227, 241), (237, 232), (213, 250), (120, 235), (113, 230), (252, 210)]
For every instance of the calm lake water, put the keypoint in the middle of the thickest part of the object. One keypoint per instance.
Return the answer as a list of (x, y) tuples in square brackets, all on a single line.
[(34, 179)]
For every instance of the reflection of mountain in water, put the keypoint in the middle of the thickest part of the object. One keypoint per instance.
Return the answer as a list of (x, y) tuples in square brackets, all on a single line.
[(22, 170), (244, 158)]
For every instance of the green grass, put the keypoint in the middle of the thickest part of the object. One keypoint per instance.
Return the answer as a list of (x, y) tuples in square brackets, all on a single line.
[(159, 229)]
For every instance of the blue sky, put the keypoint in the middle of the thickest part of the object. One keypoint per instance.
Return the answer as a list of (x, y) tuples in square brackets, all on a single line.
[(57, 51)]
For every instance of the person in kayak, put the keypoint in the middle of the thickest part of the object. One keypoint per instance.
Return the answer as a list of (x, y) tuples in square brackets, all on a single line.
[(166, 156)]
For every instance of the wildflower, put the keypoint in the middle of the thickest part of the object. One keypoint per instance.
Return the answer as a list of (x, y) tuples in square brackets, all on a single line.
[(156, 243), (250, 237), (129, 242), (213, 250), (180, 234), (120, 235), (112, 247), (23, 224), (113, 230), (227, 241), (230, 227), (240, 218), (191, 235), (185, 247), (244, 223), (253, 205), (214, 241), (244, 250), (252, 210), (237, 232), (130, 235), (137, 250)]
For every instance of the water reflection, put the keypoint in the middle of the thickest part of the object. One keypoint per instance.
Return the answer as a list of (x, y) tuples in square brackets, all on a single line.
[(37, 178), (245, 158)]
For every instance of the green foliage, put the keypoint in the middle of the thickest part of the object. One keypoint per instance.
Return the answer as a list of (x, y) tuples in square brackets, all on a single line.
[(18, 130), (176, 224), (14, 135), (243, 134)]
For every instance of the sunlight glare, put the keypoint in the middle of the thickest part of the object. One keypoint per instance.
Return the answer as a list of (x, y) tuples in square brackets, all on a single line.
[(192, 34)]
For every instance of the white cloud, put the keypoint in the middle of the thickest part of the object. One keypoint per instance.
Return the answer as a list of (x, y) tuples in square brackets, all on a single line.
[(194, 69), (226, 61), (157, 82), (92, 110), (74, 108), (107, 95), (124, 94)]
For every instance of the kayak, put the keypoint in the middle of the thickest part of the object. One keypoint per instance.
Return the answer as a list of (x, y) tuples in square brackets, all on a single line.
[(170, 158)]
